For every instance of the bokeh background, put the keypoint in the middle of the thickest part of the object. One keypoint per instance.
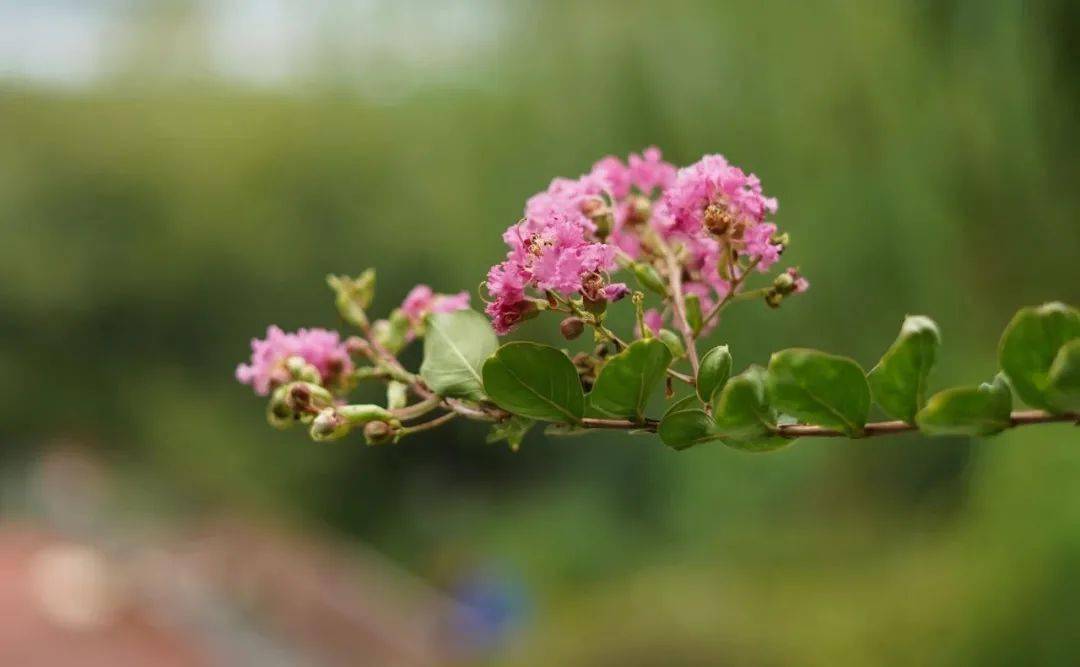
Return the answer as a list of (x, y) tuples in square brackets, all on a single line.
[(174, 176)]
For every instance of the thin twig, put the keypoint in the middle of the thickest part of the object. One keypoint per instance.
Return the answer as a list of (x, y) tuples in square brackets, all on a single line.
[(679, 304), (1016, 419), (649, 425), (434, 423), (731, 295)]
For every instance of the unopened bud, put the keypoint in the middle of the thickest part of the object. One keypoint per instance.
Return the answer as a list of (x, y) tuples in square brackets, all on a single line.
[(329, 425), (303, 396), (301, 370), (597, 210), (781, 239), (571, 327), (379, 433), (392, 333), (640, 210), (774, 298), (278, 413), (357, 345), (353, 296), (784, 283)]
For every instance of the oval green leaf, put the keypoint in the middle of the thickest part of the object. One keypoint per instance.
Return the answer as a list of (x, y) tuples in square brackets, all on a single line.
[(971, 411), (713, 372), (628, 379), (682, 429), (1064, 388), (1029, 346), (898, 382), (743, 415), (819, 388), (455, 348), (535, 381)]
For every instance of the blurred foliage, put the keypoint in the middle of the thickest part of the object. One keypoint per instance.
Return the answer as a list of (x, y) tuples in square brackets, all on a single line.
[(923, 154)]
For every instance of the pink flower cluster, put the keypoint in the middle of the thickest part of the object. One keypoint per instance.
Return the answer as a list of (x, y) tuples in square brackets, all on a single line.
[(422, 301), (321, 348), (555, 246), (713, 209)]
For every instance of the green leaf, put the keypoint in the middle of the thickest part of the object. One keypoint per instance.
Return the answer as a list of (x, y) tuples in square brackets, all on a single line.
[(455, 348), (693, 312), (512, 430), (898, 382), (690, 402), (713, 372), (674, 343), (681, 429), (535, 381), (1064, 388), (628, 379), (971, 411), (1029, 346), (648, 278), (743, 415), (819, 388)]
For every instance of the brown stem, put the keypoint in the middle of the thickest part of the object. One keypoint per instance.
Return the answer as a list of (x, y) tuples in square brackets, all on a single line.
[(649, 425), (679, 304), (1018, 418), (434, 423), (731, 295)]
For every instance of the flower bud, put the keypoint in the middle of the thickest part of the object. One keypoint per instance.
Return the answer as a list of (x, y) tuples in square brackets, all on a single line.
[(379, 433), (773, 298), (640, 210), (353, 296), (278, 413), (301, 370), (304, 396), (571, 327), (596, 210), (648, 278), (359, 414), (781, 239), (784, 283), (392, 333), (329, 425), (357, 345)]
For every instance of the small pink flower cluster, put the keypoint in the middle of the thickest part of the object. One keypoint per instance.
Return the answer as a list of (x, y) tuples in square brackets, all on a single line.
[(422, 301), (713, 209), (556, 246), (321, 348)]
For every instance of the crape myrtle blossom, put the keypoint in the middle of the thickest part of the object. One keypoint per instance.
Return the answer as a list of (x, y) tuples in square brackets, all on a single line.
[(559, 247), (421, 301), (714, 196), (321, 348)]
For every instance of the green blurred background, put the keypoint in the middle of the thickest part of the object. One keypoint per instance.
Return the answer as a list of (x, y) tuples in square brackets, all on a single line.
[(176, 176)]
